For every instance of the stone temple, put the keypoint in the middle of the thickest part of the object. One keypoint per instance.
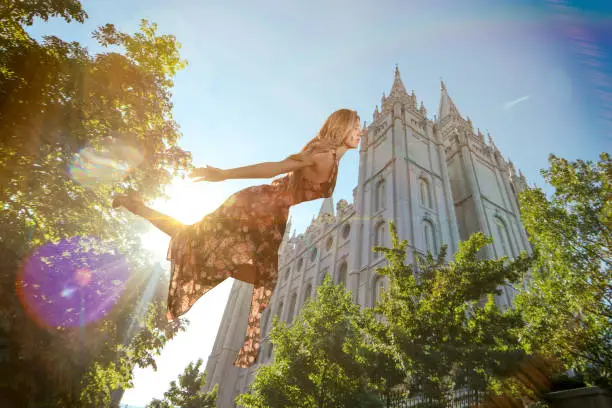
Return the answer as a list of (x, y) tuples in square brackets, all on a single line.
[(438, 180)]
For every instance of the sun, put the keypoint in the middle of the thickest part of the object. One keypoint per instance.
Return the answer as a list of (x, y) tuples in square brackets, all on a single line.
[(188, 202)]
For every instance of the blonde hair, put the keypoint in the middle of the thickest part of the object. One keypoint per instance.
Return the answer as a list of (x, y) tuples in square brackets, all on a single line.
[(331, 136)]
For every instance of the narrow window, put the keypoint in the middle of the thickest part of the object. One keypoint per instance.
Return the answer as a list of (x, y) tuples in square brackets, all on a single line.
[(430, 238), (424, 195), (342, 274), (379, 202), (292, 308)]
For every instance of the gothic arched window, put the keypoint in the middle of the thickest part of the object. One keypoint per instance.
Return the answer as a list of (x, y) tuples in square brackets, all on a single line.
[(379, 199), (342, 274), (307, 293), (379, 287), (292, 308), (504, 237), (346, 230), (329, 243), (430, 237), (379, 236), (313, 254), (280, 310), (424, 194), (270, 348)]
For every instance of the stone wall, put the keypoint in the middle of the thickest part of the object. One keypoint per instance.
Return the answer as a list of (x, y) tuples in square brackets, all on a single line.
[(589, 397)]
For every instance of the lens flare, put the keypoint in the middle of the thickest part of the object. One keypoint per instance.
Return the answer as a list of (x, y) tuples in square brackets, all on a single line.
[(73, 282), (108, 162)]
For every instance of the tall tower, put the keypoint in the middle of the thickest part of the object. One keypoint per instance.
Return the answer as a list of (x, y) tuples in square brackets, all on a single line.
[(403, 178), (219, 367), (439, 182), (484, 187)]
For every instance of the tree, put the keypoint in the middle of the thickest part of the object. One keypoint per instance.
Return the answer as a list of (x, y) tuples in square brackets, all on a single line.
[(320, 360), (188, 393), (433, 322), (75, 127), (568, 303)]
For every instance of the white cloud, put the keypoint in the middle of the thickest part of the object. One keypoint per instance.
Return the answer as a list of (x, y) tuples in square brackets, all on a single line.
[(516, 101)]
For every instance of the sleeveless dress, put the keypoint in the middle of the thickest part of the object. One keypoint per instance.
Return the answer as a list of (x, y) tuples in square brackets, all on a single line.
[(247, 229)]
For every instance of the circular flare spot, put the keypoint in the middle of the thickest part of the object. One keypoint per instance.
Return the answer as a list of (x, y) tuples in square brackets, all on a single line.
[(107, 162), (73, 282)]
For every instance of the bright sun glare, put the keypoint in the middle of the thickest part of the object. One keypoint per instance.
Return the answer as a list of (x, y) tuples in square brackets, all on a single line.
[(188, 202)]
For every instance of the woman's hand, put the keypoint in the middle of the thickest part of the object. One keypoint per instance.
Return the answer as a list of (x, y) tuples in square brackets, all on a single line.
[(208, 173)]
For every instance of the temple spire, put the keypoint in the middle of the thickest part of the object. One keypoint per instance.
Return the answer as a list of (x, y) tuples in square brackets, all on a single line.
[(447, 106), (327, 206), (398, 87)]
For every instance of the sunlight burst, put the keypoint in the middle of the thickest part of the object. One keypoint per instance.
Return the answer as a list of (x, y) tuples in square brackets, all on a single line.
[(188, 202)]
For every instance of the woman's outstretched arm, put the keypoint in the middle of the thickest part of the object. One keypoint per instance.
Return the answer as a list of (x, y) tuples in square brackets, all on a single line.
[(260, 170)]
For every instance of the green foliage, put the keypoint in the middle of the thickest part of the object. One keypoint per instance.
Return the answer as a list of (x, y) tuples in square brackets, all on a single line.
[(99, 383), (434, 324), (320, 360), (24, 11), (188, 393), (55, 100), (568, 304)]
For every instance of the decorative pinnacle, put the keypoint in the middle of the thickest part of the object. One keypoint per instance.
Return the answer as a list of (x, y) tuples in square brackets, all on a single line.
[(398, 87), (442, 86)]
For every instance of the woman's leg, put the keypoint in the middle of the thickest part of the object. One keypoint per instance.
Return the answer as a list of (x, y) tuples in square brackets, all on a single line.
[(163, 222)]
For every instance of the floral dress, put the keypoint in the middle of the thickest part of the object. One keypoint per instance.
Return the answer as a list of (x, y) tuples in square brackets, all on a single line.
[(247, 229)]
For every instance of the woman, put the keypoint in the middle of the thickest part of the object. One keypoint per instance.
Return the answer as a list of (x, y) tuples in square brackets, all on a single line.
[(241, 238)]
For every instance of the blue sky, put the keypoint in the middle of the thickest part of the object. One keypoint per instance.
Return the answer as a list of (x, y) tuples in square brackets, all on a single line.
[(263, 76)]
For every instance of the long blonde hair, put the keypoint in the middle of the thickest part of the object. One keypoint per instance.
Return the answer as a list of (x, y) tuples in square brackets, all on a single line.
[(330, 137)]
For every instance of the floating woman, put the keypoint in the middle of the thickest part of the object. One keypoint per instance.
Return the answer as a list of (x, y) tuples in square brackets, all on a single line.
[(241, 238)]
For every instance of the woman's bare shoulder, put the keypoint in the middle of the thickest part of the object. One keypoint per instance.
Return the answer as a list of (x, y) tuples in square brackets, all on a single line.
[(323, 163)]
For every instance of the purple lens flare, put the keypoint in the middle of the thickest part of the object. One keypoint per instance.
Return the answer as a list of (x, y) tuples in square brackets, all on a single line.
[(71, 283)]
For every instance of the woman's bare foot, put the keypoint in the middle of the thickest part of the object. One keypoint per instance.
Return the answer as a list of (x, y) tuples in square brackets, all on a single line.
[(131, 201)]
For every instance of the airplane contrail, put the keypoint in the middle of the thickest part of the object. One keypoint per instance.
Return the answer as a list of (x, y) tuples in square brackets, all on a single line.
[(519, 100)]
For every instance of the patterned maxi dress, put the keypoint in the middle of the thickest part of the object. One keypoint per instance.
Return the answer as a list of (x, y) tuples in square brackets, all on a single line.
[(246, 229)]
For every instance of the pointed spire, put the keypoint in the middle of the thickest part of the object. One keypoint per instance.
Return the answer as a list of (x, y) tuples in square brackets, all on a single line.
[(398, 86), (422, 109), (447, 106), (327, 207)]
